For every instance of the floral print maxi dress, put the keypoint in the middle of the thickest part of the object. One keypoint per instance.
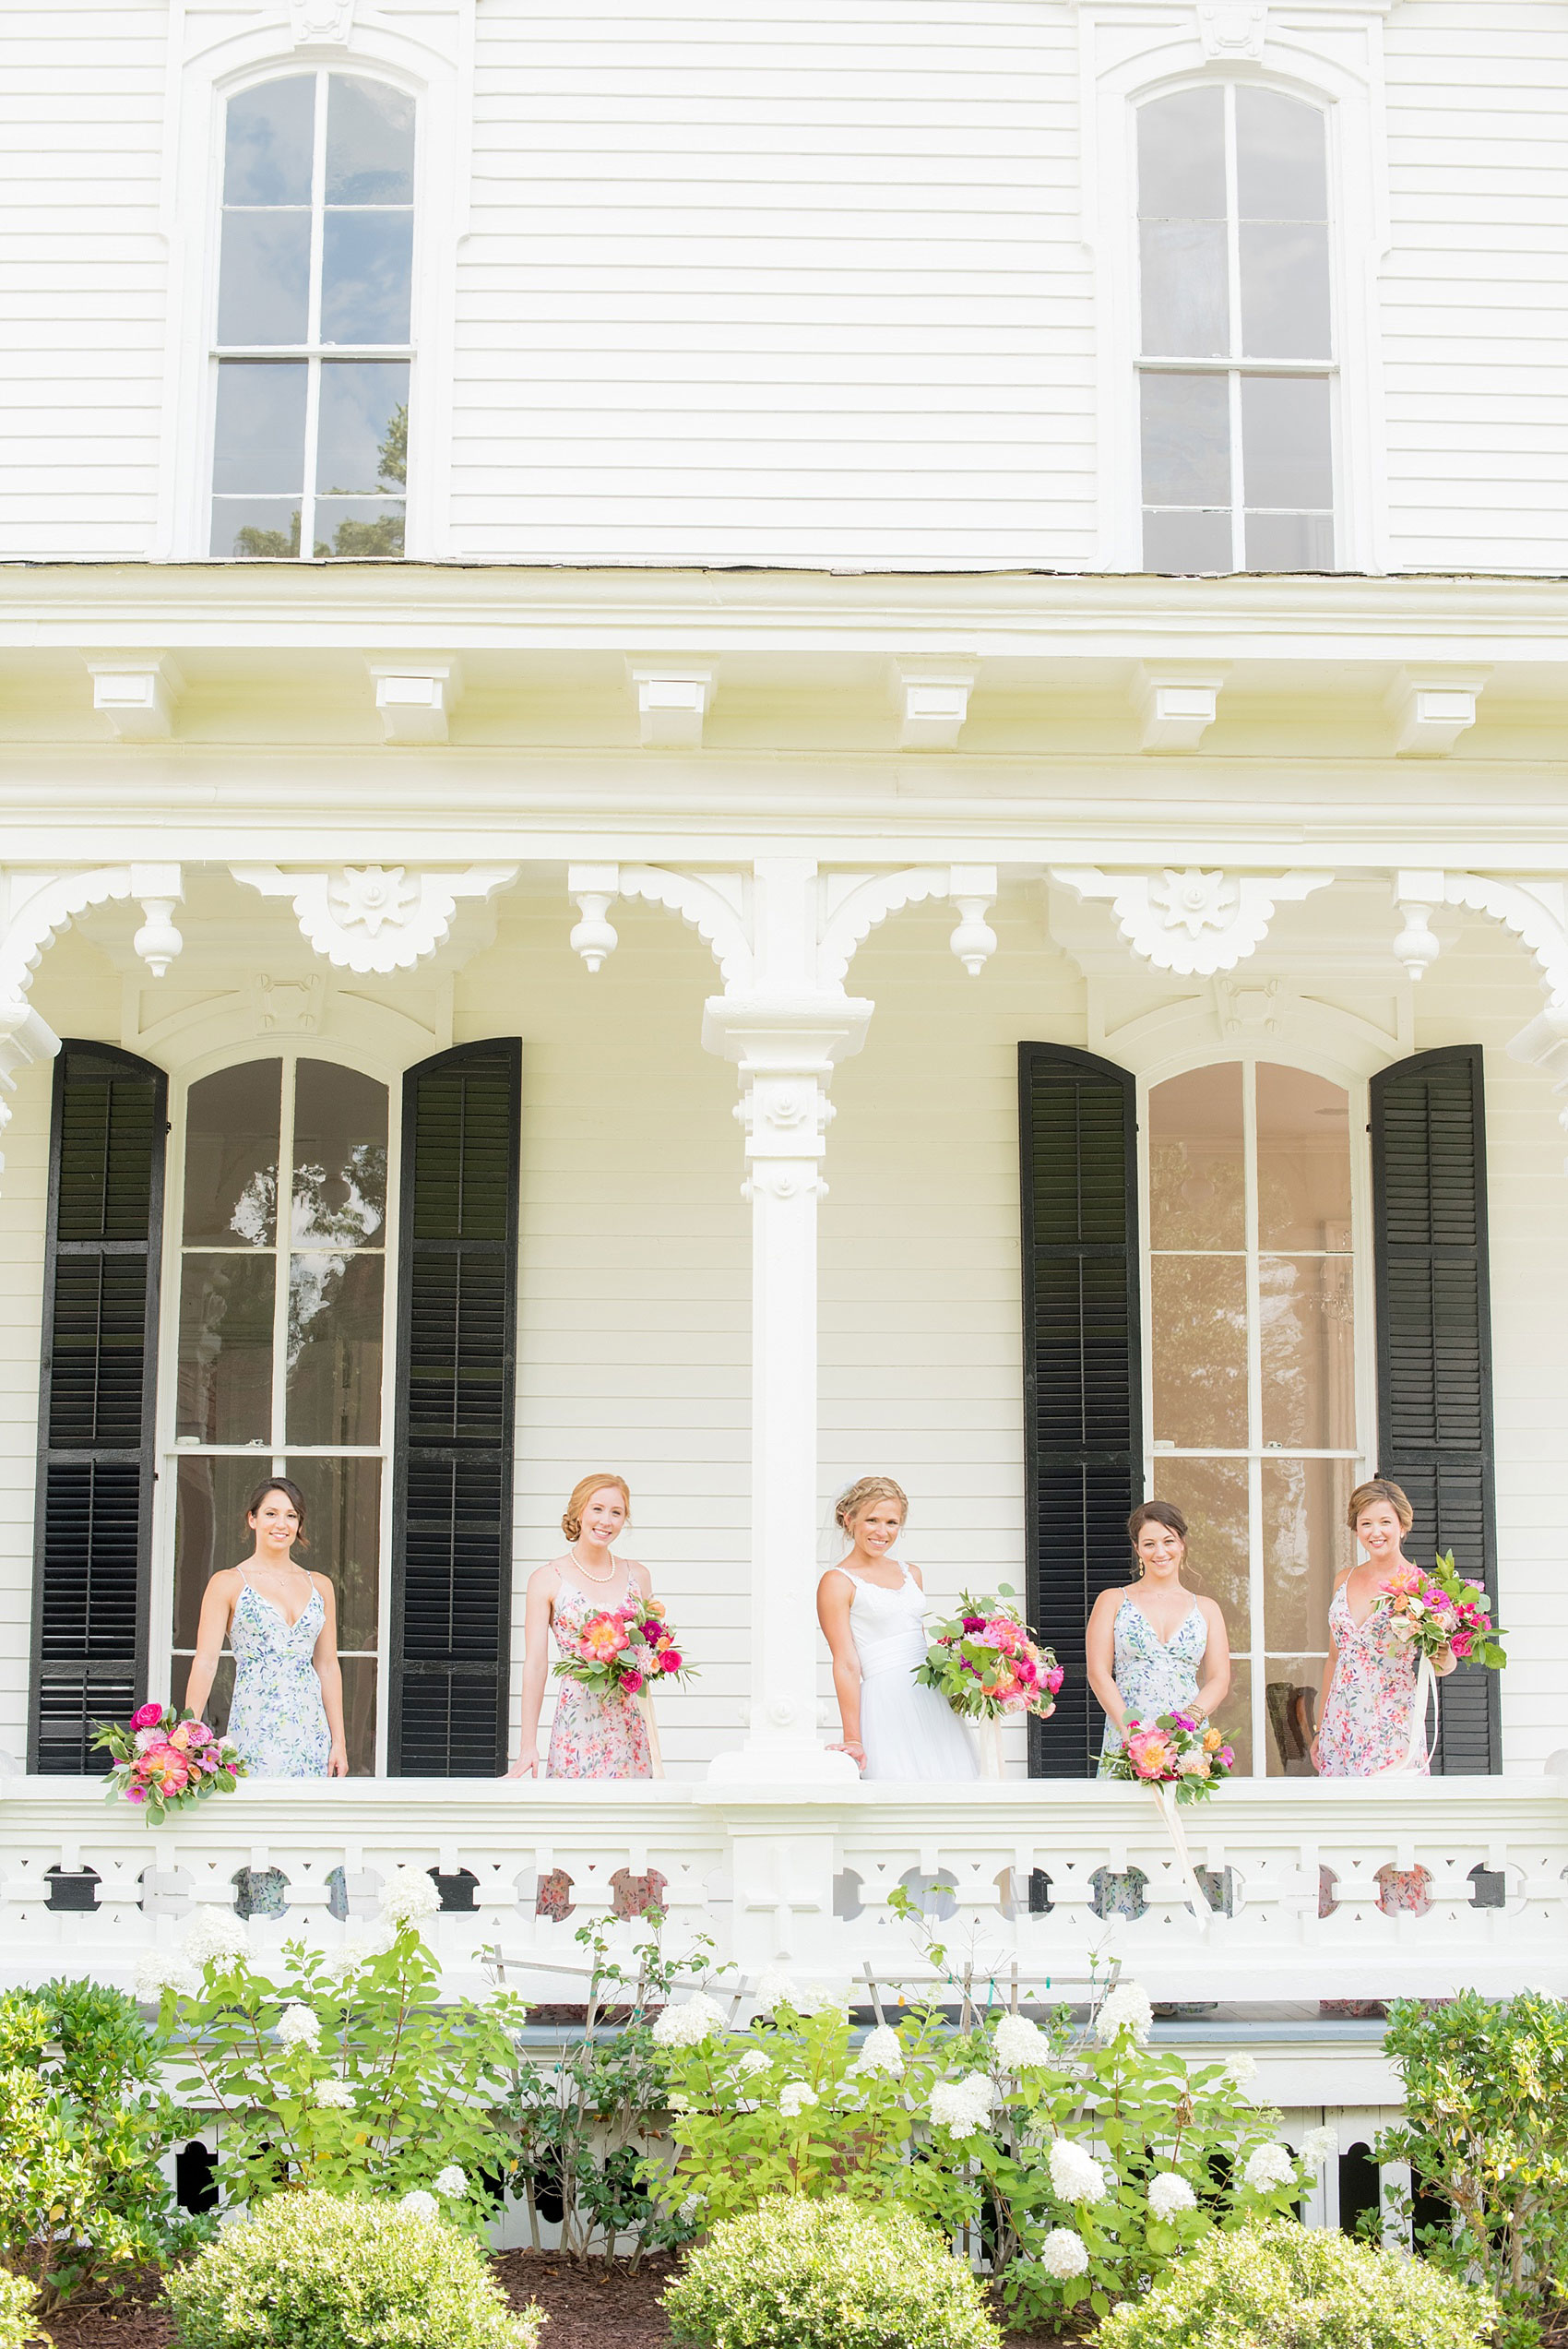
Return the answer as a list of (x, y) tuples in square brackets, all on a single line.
[(1366, 1722), (1155, 1675), (593, 1736), (277, 1719)]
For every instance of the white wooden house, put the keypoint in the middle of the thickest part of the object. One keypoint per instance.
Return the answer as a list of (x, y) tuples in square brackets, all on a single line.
[(990, 570)]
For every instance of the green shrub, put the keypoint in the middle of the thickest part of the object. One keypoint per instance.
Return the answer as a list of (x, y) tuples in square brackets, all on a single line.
[(83, 2127), (1276, 2285), (18, 2299), (826, 2274), (316, 2271)]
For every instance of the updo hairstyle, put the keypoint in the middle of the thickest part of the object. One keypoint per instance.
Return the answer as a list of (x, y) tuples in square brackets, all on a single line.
[(292, 1494), (1380, 1488), (583, 1492), (861, 1495), (1164, 1513)]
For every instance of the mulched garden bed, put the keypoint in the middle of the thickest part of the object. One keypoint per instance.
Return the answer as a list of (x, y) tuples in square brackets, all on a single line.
[(588, 2307)]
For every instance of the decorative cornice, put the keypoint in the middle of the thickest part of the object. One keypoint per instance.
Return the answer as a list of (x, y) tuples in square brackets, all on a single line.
[(44, 905), (1192, 922), (375, 917), (854, 906), (714, 905)]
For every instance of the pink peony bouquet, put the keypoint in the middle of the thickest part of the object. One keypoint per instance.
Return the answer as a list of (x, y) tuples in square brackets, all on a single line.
[(166, 1760), (624, 1650), (1178, 1749), (1442, 1610), (984, 1662)]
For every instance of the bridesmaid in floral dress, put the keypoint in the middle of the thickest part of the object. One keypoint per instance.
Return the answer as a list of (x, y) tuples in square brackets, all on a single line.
[(593, 1736), (1369, 1684)]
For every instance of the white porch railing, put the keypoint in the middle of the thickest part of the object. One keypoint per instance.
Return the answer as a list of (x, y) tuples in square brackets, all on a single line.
[(805, 1880)]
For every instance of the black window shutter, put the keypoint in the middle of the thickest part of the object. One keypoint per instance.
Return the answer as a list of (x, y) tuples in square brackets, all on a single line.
[(97, 1398), (450, 1647), (1083, 1409), (1434, 1344)]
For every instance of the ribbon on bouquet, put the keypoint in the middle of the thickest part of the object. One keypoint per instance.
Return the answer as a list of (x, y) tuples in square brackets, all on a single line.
[(1165, 1802), (645, 1706), (990, 1747), (1418, 1748)]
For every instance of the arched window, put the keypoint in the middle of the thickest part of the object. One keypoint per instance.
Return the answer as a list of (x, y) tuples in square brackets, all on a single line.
[(1252, 1390), (1236, 342), (312, 345)]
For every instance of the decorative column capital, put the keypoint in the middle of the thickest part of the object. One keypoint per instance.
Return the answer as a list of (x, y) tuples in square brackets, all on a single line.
[(785, 1053)]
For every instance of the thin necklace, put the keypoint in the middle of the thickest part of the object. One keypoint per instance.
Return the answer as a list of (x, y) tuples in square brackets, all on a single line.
[(582, 1569)]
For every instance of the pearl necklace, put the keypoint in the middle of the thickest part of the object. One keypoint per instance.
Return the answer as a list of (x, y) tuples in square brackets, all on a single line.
[(582, 1569)]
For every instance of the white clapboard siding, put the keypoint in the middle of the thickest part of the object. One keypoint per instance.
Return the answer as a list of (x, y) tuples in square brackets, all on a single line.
[(82, 276), (1475, 288)]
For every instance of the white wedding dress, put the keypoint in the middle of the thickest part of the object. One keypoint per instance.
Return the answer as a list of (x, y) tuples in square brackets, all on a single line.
[(907, 1730)]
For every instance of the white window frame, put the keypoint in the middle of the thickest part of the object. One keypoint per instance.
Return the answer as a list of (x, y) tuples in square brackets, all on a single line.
[(1131, 51)]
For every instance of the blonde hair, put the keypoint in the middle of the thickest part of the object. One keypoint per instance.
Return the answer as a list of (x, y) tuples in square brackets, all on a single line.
[(861, 1495), (1380, 1489), (583, 1492)]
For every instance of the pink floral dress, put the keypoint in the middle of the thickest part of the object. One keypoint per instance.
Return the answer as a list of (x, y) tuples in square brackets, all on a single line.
[(1366, 1722), (592, 1736)]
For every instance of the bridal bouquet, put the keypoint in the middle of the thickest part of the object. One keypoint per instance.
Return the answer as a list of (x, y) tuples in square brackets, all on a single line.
[(983, 1660), (1177, 1751), (624, 1650), (1442, 1610), (166, 1760)]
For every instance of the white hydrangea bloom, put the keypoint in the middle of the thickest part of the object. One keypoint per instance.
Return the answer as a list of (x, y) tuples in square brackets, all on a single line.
[(409, 1898), (962, 2105), (214, 1933), (794, 2098), (751, 2061), (1075, 2176), (1126, 2008), (1063, 2254), (883, 2051), (1021, 2045), (335, 2093), (1168, 2193), (418, 2205), (1269, 2166), (299, 2026), (354, 1951), (452, 2181), (1322, 2144), (687, 2025), (691, 2208), (778, 1988), (160, 1970), (1241, 2069)]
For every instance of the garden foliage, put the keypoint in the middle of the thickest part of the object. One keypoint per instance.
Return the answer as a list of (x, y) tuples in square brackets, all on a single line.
[(319, 2271), (17, 2301), (830, 2273), (1273, 2285)]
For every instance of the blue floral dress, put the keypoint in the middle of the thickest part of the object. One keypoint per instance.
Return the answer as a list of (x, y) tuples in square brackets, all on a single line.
[(1155, 1675), (278, 1721)]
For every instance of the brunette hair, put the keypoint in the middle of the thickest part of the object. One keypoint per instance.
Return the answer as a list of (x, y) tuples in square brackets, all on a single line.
[(292, 1494), (1380, 1489), (1164, 1513), (583, 1492), (861, 1493)]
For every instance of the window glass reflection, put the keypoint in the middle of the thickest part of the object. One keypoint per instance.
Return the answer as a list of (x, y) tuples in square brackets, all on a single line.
[(1186, 440), (366, 272), (1197, 1185), (1284, 291), (370, 143), (343, 1512), (260, 442), (1185, 292), (1305, 1543), (1191, 543), (1289, 543), (334, 1366), (1198, 1309), (340, 1157), (231, 1155), (1182, 156), (1280, 170), (225, 1364), (1285, 440), (264, 286), (1212, 1496), (270, 142), (365, 427), (1307, 1311), (1234, 1717), (210, 1531), (1304, 1161)]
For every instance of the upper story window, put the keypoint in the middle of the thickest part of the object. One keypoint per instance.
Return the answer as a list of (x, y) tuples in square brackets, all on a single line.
[(314, 293), (1237, 342)]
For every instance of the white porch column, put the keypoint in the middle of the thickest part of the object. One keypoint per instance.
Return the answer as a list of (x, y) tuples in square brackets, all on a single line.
[(784, 1032)]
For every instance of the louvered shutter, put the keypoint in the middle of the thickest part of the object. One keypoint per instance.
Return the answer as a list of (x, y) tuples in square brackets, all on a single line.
[(457, 1372), (1434, 1344), (1082, 1385), (96, 1401)]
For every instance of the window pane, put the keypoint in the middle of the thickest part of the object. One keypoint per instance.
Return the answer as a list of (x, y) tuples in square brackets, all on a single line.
[(1212, 1495), (1285, 442), (343, 1519), (359, 1714), (1198, 1311), (263, 288), (1186, 306), (334, 1368), (210, 1532), (340, 1157), (1196, 1175), (1305, 1543), (225, 1372), (1304, 1161), (1182, 156), (1308, 1362), (259, 443), (256, 528), (231, 1155), (1279, 157), (359, 529), (1290, 1693), (1289, 542), (1191, 541), (370, 143), (1235, 1717), (1186, 441), (1284, 291), (270, 138), (364, 428), (366, 268)]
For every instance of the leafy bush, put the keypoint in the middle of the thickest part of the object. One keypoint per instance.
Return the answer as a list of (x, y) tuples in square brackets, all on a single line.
[(83, 2127), (16, 2301), (346, 2075), (1275, 2286), (795, 2273), (1486, 2129), (319, 2271)]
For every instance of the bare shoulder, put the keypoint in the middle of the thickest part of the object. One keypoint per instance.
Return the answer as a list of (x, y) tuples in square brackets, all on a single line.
[(1108, 1600), (637, 1572), (229, 1579), (1212, 1612), (915, 1576), (832, 1581), (324, 1583), (546, 1578)]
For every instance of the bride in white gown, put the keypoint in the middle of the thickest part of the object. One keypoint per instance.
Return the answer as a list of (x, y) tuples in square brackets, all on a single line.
[(871, 1609)]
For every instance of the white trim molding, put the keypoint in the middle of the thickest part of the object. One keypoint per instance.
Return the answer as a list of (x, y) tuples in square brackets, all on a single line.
[(713, 904), (136, 693), (375, 917), (1431, 709), (414, 699), (41, 907), (25, 1037), (854, 904), (672, 704), (1192, 922)]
